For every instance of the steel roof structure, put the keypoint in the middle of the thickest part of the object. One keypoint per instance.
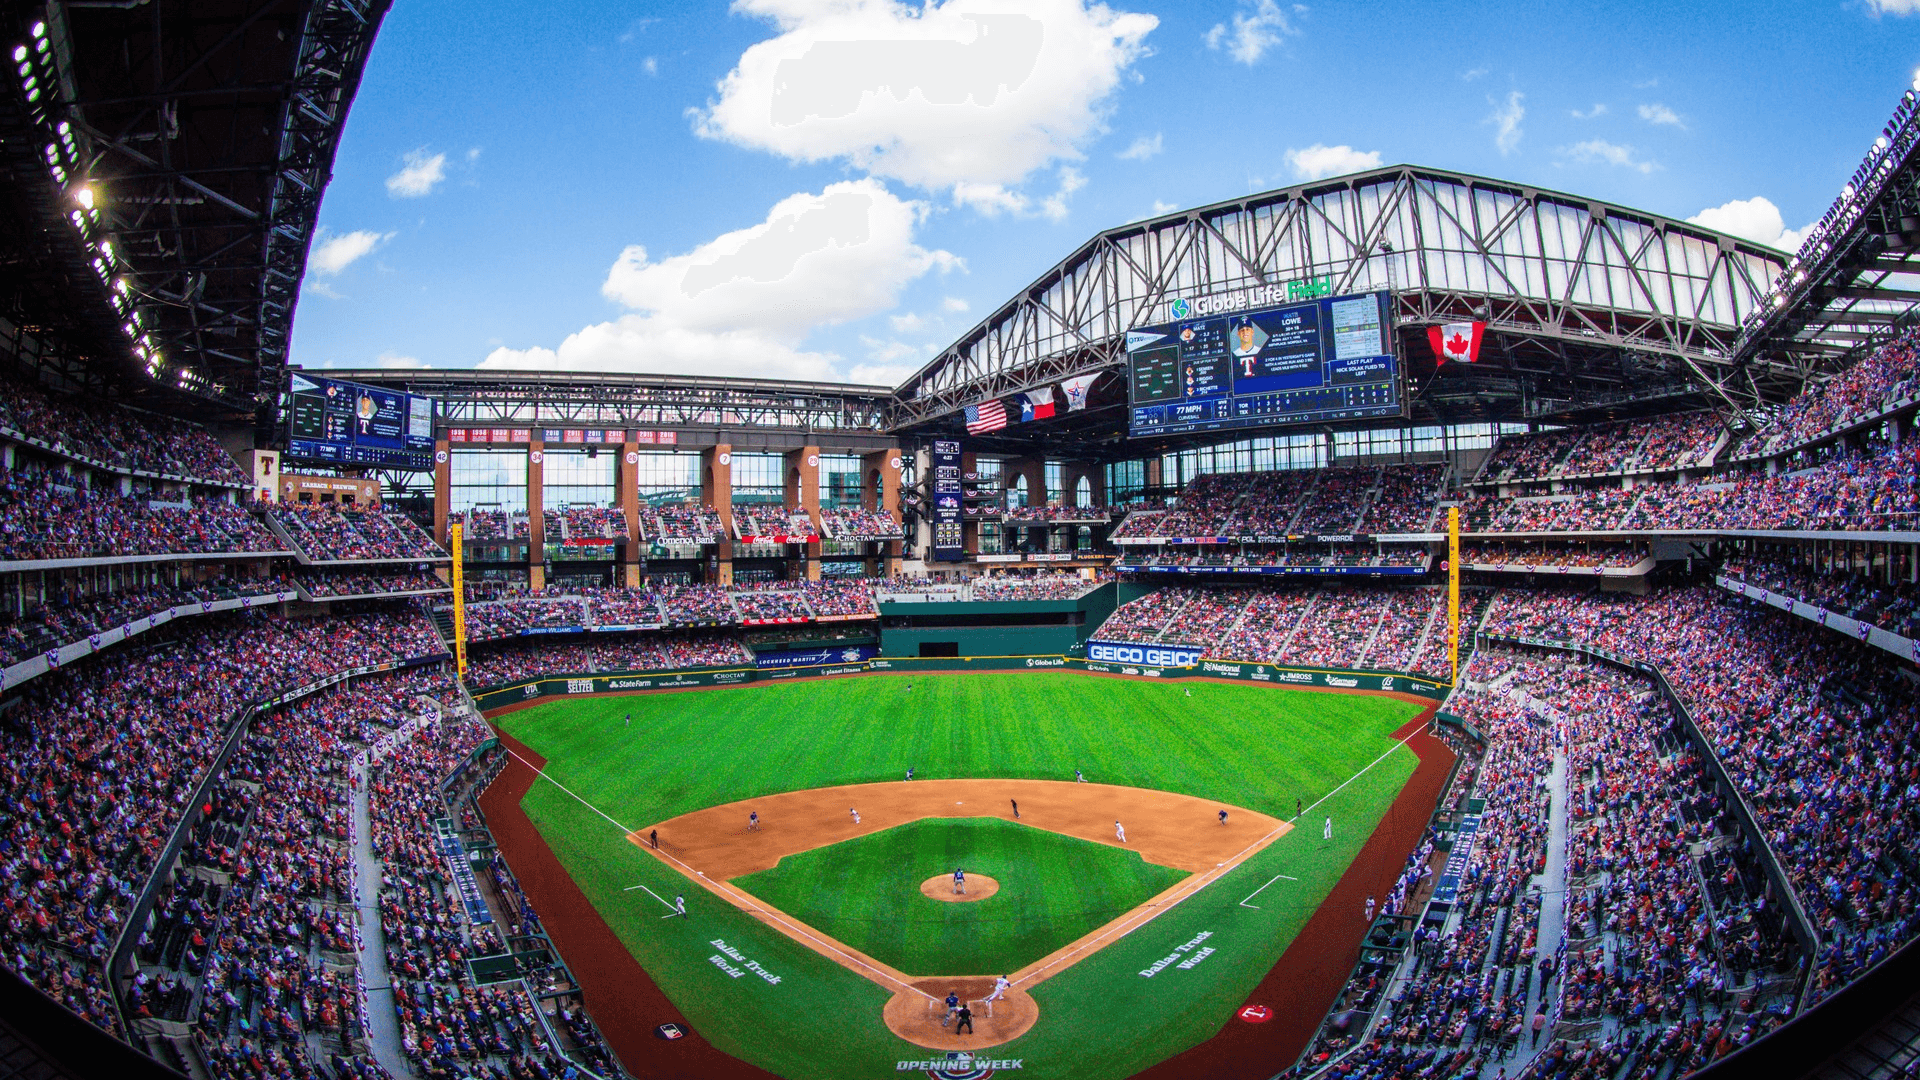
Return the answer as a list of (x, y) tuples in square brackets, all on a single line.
[(165, 162), (1587, 303)]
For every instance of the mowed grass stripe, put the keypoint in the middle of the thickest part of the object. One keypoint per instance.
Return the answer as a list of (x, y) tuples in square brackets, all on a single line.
[(866, 893), (1255, 746)]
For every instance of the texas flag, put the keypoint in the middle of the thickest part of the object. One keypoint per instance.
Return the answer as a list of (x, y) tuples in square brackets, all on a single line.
[(1036, 405), (1457, 341)]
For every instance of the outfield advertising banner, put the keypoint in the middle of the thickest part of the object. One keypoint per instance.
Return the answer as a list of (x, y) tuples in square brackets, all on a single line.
[(1154, 662), (786, 658)]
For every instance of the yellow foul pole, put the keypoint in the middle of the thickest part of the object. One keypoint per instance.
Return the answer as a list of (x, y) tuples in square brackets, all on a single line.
[(458, 551), (1453, 588)]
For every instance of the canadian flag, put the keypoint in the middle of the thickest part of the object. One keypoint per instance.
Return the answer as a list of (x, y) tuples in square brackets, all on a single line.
[(1457, 341)]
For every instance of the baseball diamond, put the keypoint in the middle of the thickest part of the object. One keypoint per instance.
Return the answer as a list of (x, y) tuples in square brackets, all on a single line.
[(1179, 950)]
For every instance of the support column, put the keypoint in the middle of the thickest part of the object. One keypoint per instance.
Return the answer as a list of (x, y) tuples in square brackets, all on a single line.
[(716, 482), (536, 516), (803, 491), (626, 480), (880, 490), (442, 486), (970, 527), (1035, 471)]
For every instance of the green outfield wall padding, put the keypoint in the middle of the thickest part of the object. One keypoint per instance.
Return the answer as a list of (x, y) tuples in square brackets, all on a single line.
[(694, 678)]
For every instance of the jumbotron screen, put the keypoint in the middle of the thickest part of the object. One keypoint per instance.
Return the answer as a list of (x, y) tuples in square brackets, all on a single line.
[(345, 423), (1215, 368)]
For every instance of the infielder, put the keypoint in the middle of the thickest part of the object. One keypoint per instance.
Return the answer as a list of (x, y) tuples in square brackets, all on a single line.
[(1120, 831), (909, 772), (855, 813), (1223, 817), (753, 821), (959, 881), (1079, 777)]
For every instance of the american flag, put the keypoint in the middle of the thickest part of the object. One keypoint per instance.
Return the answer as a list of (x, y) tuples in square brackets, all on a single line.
[(985, 417)]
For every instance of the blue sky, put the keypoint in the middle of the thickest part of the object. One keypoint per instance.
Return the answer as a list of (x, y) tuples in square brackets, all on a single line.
[(836, 190)]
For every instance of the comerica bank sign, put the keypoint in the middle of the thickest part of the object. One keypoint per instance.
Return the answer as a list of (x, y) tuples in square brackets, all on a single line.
[(1147, 655)]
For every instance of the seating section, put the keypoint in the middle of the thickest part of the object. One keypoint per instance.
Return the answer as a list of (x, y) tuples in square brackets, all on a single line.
[(670, 605), (1326, 627), (1815, 731), (491, 524), (1893, 607), (766, 523), (581, 524), (334, 583), (851, 523), (512, 662), (68, 619), (680, 525), (1681, 441), (47, 515), (99, 757), (1032, 587), (1040, 515), (330, 534), (1369, 499), (1550, 556), (1891, 373), (117, 438)]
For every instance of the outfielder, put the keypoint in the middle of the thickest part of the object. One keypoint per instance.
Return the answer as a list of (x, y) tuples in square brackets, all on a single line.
[(1327, 833)]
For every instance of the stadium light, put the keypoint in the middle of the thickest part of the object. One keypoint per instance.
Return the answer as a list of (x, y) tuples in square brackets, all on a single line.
[(84, 196)]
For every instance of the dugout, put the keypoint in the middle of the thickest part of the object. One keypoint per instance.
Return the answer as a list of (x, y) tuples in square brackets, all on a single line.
[(993, 628)]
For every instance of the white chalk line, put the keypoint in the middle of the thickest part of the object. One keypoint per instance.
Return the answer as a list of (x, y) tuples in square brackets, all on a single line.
[(765, 914), (1232, 864), (1263, 888)]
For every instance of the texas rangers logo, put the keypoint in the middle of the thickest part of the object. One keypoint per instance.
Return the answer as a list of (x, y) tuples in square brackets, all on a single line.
[(1180, 307)]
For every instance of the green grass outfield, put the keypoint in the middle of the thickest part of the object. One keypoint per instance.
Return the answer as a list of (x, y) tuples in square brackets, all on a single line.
[(1053, 888), (1259, 747)]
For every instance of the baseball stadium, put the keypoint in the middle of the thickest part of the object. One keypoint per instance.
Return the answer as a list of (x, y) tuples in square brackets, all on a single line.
[(1399, 624)]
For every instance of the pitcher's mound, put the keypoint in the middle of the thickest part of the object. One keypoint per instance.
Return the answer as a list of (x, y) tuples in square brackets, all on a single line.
[(916, 1017), (940, 887)]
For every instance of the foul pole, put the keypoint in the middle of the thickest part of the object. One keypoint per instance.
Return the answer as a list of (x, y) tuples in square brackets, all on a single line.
[(1453, 588), (457, 550)]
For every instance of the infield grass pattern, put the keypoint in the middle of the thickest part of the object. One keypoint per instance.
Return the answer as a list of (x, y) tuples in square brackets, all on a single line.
[(1053, 889)]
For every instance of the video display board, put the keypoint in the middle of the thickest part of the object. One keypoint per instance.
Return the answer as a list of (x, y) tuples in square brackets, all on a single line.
[(948, 540), (1216, 368), (342, 423)]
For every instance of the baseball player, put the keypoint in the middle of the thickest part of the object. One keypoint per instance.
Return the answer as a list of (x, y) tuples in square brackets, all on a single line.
[(909, 772), (654, 838), (1000, 984), (753, 821), (1223, 817), (959, 881), (1369, 907), (1327, 833), (1120, 831), (1016, 807), (679, 907), (953, 1006), (629, 721), (855, 813), (1079, 777), (1189, 691)]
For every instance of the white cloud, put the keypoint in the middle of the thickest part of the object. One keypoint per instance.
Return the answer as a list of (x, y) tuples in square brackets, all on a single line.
[(990, 199), (954, 305), (1755, 219), (391, 359), (651, 66), (1142, 148), (1160, 208), (1506, 122), (1055, 205), (1472, 75), (1601, 152), (332, 254), (418, 176), (908, 323), (473, 155), (965, 92), (313, 287), (1253, 34), (744, 303), (1893, 7), (1318, 161), (1659, 114), (881, 374), (887, 351), (1597, 111)]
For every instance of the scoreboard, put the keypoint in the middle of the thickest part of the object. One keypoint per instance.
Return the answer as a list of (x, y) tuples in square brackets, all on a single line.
[(342, 423), (1328, 359)]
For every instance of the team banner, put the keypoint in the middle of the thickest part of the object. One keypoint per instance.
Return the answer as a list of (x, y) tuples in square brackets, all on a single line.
[(1157, 662)]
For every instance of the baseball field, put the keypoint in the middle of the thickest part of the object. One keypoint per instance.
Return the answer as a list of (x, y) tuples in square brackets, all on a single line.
[(815, 945)]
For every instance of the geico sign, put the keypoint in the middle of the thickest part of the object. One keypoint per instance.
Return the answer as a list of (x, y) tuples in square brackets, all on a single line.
[(1143, 654)]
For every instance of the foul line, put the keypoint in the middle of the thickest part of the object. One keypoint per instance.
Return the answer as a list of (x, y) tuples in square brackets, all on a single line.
[(1219, 872), (1263, 888), (763, 913)]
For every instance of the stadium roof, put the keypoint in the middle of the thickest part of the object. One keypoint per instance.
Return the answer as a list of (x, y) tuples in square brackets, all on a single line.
[(1590, 306), (165, 164)]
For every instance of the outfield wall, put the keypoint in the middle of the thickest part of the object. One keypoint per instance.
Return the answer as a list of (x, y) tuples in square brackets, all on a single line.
[(694, 678), (995, 627)]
